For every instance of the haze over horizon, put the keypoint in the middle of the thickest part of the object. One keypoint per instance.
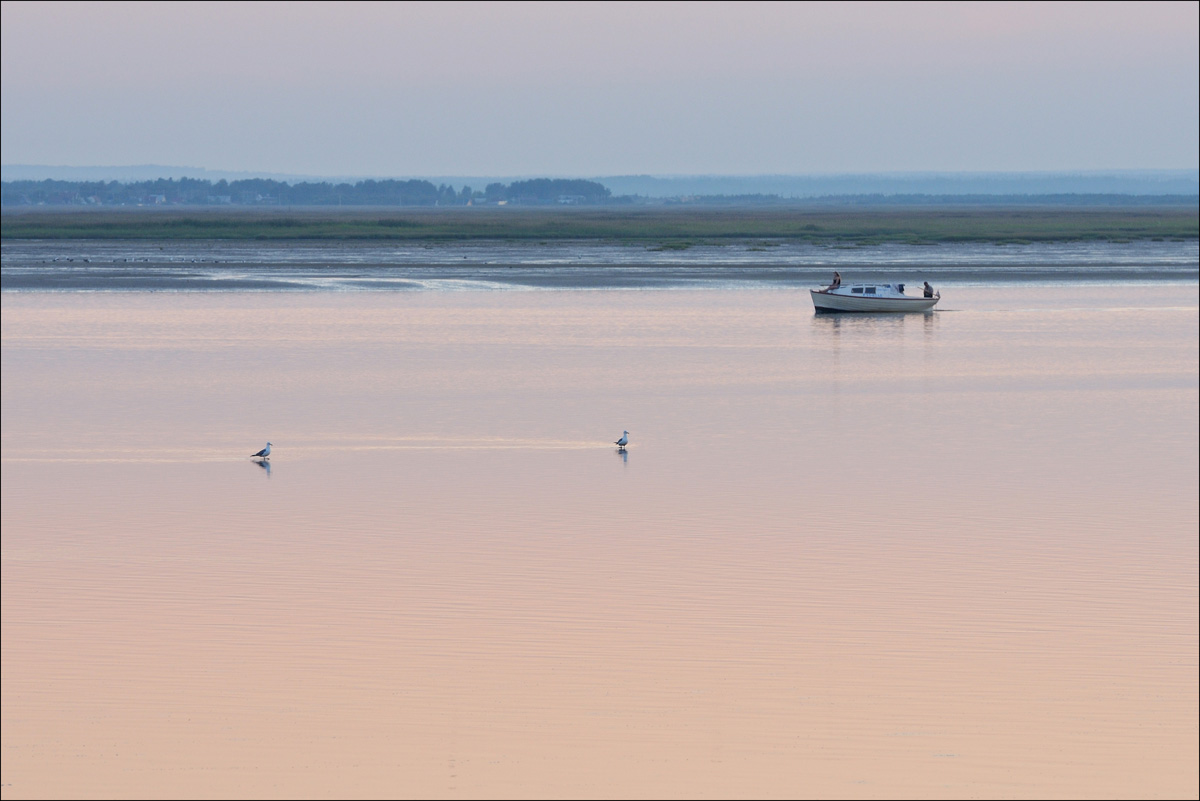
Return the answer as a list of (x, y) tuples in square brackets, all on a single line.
[(139, 172), (590, 89)]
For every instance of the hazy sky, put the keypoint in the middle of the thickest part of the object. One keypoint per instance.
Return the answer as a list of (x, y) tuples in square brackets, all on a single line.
[(593, 89)]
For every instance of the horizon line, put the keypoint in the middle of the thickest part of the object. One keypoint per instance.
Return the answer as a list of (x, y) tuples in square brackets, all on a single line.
[(673, 175)]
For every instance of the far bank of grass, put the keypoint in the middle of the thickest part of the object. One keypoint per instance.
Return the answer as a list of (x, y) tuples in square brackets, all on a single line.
[(669, 228)]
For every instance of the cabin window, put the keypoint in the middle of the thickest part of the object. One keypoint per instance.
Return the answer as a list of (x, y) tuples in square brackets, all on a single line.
[(870, 290), (857, 289)]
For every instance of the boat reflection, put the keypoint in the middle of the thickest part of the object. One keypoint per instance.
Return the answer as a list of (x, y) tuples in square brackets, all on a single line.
[(871, 321)]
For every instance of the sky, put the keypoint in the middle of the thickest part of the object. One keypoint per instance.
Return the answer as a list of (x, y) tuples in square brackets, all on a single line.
[(593, 89)]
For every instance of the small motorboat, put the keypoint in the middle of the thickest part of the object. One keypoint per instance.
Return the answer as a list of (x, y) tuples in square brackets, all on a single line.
[(871, 298)]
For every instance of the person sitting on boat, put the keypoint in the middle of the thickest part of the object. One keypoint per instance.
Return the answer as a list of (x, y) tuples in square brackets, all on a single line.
[(928, 290), (837, 281)]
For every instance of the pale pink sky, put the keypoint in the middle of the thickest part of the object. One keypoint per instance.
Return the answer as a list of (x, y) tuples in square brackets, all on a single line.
[(602, 88)]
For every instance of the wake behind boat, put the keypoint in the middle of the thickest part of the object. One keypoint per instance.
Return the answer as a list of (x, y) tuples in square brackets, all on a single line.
[(872, 298)]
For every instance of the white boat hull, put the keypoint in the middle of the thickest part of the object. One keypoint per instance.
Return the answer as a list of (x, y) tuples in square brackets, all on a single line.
[(824, 301)]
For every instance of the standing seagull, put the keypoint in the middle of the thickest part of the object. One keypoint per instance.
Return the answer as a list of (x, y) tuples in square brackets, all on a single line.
[(265, 453), (623, 441)]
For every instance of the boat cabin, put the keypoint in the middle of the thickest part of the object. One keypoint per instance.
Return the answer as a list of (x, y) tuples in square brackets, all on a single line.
[(871, 290)]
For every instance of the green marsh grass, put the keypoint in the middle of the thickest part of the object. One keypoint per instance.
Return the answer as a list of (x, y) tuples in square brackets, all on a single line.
[(665, 228)]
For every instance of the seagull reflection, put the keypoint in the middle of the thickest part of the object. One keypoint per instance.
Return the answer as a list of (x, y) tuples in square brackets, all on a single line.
[(624, 454), (265, 464)]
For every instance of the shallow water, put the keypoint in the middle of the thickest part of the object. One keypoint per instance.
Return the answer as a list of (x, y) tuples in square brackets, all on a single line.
[(477, 265), (947, 555)]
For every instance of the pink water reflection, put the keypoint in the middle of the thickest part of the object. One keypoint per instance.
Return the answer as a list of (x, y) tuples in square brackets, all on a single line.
[(941, 556)]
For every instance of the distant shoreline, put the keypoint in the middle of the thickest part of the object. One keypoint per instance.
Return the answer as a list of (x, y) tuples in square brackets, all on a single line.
[(673, 228)]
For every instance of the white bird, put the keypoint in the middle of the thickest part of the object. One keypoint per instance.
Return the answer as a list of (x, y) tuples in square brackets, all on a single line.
[(265, 453), (623, 441)]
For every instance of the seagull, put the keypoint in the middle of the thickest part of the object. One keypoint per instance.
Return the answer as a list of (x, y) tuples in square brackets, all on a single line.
[(623, 441), (265, 453)]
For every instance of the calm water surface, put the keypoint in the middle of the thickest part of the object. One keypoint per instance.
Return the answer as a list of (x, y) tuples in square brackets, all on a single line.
[(948, 555)]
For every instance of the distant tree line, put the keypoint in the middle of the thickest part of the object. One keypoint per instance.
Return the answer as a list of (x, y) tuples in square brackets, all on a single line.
[(535, 192), (265, 192)]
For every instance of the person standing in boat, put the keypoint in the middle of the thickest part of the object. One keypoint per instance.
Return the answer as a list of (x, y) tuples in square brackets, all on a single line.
[(928, 290), (837, 281)]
